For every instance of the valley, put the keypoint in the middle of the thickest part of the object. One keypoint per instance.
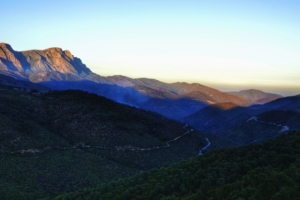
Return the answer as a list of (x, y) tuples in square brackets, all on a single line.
[(64, 128), (42, 135)]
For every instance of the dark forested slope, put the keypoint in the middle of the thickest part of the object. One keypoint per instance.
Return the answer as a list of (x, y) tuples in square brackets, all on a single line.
[(63, 141), (265, 171)]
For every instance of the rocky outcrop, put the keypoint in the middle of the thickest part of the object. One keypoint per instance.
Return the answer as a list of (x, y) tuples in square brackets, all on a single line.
[(42, 65), (8, 58)]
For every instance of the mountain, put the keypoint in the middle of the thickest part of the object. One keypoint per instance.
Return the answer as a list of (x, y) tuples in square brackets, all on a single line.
[(265, 171), (59, 69), (287, 103), (193, 91), (32, 62), (256, 96), (175, 100), (61, 141), (52, 142), (219, 116)]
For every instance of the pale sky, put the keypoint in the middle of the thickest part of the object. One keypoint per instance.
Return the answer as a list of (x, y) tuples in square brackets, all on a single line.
[(229, 45)]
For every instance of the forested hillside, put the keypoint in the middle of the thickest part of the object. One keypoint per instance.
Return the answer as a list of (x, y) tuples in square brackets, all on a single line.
[(270, 170), (62, 141)]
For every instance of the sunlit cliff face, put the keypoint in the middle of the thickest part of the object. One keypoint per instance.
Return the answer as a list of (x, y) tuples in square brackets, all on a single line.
[(37, 61)]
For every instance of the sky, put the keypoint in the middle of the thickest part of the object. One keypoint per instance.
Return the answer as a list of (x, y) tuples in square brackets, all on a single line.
[(228, 45)]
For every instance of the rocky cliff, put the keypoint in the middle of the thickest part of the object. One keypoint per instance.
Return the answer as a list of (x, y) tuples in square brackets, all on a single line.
[(42, 65)]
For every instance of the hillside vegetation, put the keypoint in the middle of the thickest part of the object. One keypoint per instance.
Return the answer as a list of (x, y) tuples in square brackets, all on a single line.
[(63, 141), (266, 171)]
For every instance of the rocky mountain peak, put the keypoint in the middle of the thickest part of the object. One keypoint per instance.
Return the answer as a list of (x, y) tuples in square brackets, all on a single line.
[(2, 44), (8, 59), (68, 53), (35, 62)]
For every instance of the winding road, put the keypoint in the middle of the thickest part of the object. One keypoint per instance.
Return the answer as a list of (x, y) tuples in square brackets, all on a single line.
[(208, 144), (118, 148), (283, 128)]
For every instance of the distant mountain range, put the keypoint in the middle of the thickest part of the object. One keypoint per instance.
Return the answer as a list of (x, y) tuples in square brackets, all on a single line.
[(200, 106), (58, 69), (256, 96), (44, 131)]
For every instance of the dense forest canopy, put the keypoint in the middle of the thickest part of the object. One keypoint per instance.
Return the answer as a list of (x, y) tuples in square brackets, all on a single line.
[(264, 171)]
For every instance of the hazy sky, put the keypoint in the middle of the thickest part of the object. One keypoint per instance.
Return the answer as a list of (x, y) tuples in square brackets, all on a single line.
[(228, 45)]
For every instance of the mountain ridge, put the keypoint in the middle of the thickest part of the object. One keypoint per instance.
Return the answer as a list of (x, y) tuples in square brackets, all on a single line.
[(35, 61), (257, 96), (97, 139), (220, 116), (59, 69)]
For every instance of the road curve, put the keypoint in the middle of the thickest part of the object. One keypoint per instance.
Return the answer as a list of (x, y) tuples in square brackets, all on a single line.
[(208, 144)]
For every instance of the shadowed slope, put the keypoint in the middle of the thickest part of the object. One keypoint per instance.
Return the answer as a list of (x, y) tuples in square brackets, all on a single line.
[(264, 126), (61, 141), (219, 116), (286, 103)]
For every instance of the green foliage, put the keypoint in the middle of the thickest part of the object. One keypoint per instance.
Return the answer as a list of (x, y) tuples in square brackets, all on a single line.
[(54, 172), (64, 141), (266, 171)]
